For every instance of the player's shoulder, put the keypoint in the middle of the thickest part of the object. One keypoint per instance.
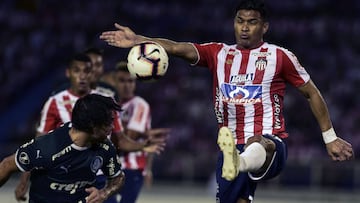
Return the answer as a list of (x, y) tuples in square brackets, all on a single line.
[(60, 88), (60, 94), (107, 146), (210, 45), (106, 85), (279, 48), (56, 134), (105, 89), (140, 100)]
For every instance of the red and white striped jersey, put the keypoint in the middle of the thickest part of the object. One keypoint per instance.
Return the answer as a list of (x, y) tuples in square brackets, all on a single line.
[(249, 86), (57, 111), (135, 115)]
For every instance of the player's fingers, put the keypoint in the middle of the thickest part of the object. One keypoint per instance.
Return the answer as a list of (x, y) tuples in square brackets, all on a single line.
[(92, 194), (119, 27), (106, 34), (348, 154)]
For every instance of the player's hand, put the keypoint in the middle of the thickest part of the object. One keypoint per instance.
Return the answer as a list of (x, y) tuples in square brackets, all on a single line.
[(22, 188), (156, 140), (95, 195), (340, 150), (20, 191), (158, 133), (123, 37), (156, 147)]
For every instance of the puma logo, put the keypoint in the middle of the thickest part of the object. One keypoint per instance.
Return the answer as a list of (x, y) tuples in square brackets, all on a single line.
[(66, 169)]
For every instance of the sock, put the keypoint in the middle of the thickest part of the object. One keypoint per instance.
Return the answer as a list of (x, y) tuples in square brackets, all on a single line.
[(252, 158)]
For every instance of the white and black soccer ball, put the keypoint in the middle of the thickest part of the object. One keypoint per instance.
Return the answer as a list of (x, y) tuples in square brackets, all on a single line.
[(147, 61)]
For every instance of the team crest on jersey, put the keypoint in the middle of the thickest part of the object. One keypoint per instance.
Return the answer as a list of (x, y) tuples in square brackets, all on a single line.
[(96, 164), (261, 63), (241, 94), (24, 158)]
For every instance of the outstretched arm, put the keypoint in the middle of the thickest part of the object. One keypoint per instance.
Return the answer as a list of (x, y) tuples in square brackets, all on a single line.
[(338, 149), (154, 143), (7, 167), (124, 37)]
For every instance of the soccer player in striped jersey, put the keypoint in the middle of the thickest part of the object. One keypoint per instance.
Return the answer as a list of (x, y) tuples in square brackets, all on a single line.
[(64, 163), (136, 119), (249, 79)]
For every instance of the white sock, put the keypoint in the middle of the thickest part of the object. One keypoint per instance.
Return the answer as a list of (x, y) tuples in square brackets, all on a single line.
[(252, 158)]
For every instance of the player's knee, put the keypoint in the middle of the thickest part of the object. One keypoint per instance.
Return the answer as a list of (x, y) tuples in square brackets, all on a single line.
[(255, 138), (268, 144)]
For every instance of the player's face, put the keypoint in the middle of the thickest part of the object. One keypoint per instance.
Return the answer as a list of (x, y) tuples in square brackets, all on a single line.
[(125, 85), (98, 66), (249, 29), (79, 74)]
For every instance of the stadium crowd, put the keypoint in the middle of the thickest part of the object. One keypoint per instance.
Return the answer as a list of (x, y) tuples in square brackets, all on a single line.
[(39, 36)]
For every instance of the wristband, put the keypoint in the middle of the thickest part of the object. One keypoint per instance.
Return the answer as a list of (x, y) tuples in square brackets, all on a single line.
[(329, 136)]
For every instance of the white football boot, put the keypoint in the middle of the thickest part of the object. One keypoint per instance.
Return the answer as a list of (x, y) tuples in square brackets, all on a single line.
[(230, 168)]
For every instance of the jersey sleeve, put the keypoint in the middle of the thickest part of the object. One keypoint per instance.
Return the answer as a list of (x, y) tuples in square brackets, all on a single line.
[(118, 127), (140, 119), (292, 71), (112, 166), (29, 156), (49, 117), (207, 54)]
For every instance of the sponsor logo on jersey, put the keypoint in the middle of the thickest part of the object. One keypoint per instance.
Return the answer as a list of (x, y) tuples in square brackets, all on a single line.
[(218, 114), (241, 94), (96, 164), (277, 112), (71, 187), (261, 63), (105, 146), (111, 167), (261, 54), (24, 158), (237, 79), (61, 153)]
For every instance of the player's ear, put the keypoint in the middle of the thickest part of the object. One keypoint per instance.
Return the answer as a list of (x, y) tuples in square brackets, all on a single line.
[(67, 72), (265, 27)]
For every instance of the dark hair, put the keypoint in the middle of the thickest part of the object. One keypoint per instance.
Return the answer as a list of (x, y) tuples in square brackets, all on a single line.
[(79, 57), (93, 111), (257, 5), (121, 66), (94, 50)]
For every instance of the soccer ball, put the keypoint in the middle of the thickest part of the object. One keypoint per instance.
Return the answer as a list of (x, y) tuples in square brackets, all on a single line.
[(147, 61)]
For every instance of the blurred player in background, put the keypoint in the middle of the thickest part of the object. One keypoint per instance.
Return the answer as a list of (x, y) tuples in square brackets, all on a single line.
[(97, 63), (136, 119), (57, 111), (101, 86), (249, 80), (63, 163)]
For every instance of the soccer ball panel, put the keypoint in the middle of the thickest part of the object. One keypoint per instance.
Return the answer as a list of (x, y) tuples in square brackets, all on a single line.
[(147, 61)]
